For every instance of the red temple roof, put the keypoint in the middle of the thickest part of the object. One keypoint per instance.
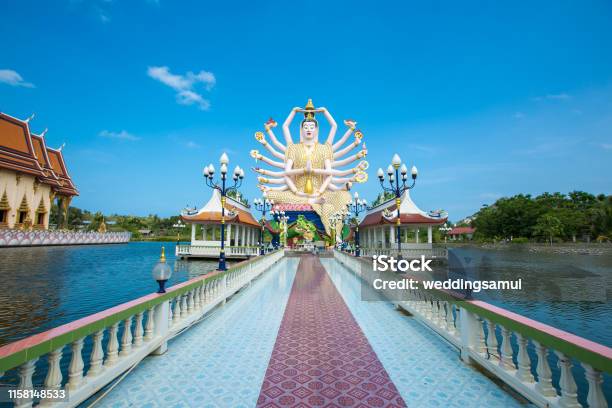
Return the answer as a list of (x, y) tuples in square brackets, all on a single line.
[(462, 230), (22, 151)]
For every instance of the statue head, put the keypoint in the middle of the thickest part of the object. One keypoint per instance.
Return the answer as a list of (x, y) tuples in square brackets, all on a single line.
[(309, 129)]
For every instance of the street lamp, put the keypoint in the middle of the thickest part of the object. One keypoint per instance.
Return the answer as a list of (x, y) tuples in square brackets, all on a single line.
[(396, 170), (355, 207), (445, 229), (238, 176), (264, 205), (162, 272)]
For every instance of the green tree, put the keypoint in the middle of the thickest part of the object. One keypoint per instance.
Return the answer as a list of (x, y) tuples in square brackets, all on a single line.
[(548, 226)]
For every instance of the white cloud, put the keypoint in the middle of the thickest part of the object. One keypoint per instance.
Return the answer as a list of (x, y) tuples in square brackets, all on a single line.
[(123, 135), (519, 115), (554, 97), (12, 78), (184, 85), (606, 146), (192, 145)]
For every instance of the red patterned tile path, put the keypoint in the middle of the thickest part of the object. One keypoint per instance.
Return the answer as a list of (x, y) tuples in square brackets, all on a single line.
[(321, 357)]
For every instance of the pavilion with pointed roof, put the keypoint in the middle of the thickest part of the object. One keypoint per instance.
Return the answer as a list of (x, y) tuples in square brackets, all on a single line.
[(32, 176), (241, 233), (378, 227)]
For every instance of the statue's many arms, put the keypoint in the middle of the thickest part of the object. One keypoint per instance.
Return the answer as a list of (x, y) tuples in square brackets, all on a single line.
[(312, 172)]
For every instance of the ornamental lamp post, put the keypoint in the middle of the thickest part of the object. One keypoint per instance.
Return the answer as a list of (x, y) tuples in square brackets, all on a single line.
[(237, 177), (396, 170), (355, 207), (445, 229), (264, 205), (162, 272)]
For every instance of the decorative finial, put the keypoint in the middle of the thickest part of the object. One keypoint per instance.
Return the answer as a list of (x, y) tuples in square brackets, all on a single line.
[(162, 258), (30, 118), (62, 147), (44, 132), (309, 105)]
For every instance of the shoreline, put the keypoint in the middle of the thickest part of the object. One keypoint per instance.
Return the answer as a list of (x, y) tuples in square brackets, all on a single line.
[(567, 248)]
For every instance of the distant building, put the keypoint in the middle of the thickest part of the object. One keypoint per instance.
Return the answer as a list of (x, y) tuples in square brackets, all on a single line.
[(461, 233), (32, 177)]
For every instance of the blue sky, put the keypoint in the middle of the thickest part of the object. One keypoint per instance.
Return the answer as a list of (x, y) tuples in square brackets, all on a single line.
[(487, 100)]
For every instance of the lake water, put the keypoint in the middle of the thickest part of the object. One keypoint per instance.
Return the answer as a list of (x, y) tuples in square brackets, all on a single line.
[(44, 287)]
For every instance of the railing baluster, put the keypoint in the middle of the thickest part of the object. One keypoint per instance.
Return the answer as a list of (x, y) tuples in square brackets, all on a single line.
[(184, 309), (450, 322), (480, 346), (176, 313), (197, 299), (569, 396), (524, 362), (25, 372), (595, 396), (126, 339), (491, 340), (150, 326), (112, 347), (190, 301), (75, 369), (506, 350), (544, 385), (53, 379), (138, 330), (97, 354)]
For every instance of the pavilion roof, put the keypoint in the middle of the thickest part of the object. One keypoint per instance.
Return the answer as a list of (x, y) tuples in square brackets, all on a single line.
[(235, 212), (23, 151), (410, 214), (461, 230)]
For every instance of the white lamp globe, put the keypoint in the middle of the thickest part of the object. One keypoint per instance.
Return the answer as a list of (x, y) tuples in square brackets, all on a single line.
[(224, 159), (396, 161), (162, 272)]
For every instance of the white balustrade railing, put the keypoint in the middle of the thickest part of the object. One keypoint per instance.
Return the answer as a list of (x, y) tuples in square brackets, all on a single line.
[(483, 335), (133, 331), (16, 238), (408, 253), (214, 250)]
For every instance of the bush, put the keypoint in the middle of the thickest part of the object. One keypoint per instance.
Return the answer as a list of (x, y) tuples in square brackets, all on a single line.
[(520, 240)]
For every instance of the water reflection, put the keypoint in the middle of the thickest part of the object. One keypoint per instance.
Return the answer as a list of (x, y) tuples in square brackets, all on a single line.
[(46, 287), (571, 292)]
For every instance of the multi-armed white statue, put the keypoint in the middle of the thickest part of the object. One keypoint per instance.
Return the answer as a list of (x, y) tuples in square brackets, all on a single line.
[(310, 171)]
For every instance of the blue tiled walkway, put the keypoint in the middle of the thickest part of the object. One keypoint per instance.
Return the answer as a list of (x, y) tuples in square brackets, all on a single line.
[(425, 369), (220, 362)]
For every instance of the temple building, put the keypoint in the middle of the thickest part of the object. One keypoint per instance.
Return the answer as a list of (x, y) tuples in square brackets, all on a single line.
[(242, 231), (32, 177), (378, 227)]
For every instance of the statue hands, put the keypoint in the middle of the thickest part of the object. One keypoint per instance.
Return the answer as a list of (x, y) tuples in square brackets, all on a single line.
[(350, 123)]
